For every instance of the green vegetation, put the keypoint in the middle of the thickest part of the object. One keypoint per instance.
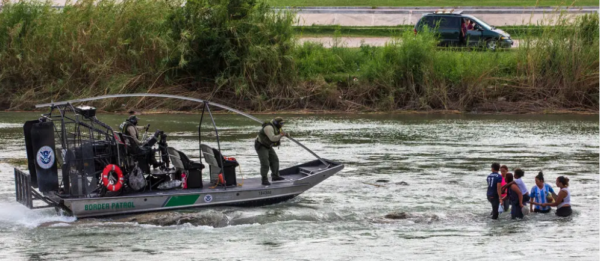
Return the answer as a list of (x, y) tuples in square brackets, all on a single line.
[(392, 31), (440, 3), (236, 48), (242, 53)]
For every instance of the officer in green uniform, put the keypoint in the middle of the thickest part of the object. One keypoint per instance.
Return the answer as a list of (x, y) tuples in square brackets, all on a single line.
[(129, 127), (269, 136)]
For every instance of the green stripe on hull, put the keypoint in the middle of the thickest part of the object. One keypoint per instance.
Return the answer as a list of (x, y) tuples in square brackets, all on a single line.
[(176, 201)]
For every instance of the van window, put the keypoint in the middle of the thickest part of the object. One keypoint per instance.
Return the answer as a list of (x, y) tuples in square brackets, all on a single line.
[(446, 22), (427, 21)]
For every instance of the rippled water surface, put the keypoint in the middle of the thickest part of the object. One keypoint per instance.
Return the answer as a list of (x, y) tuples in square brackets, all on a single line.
[(435, 167)]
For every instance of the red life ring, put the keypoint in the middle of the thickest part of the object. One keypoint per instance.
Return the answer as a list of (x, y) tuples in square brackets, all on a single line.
[(107, 170)]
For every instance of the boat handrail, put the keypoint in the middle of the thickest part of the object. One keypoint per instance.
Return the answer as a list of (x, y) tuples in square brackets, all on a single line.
[(158, 95)]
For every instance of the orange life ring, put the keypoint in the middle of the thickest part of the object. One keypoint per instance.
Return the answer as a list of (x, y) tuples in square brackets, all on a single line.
[(107, 170)]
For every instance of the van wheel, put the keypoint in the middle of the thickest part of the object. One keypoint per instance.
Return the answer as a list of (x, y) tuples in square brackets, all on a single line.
[(491, 44)]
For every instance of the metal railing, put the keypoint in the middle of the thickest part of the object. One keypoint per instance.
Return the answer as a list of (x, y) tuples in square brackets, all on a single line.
[(25, 194)]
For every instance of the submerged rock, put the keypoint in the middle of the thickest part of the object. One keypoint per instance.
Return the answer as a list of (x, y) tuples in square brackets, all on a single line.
[(416, 217), (402, 183), (213, 219), (400, 215), (382, 181)]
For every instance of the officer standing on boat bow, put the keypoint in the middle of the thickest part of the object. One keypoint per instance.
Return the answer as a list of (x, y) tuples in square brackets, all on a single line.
[(269, 136)]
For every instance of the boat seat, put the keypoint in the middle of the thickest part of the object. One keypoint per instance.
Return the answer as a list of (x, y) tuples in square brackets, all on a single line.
[(209, 155), (213, 157), (227, 163), (181, 162), (175, 159)]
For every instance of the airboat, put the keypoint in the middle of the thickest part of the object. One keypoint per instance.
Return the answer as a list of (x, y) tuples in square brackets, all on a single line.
[(82, 167)]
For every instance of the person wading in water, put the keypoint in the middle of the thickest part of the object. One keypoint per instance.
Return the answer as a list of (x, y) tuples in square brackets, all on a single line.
[(504, 201), (563, 200), (494, 182), (516, 197), (269, 136)]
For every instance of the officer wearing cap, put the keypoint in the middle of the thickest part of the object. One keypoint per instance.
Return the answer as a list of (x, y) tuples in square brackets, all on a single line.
[(269, 136), (129, 127)]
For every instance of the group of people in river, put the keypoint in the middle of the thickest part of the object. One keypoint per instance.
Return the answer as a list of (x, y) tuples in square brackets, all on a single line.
[(508, 191)]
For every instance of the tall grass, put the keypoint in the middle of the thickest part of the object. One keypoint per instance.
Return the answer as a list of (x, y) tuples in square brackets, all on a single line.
[(562, 65), (243, 53), (228, 49), (84, 49)]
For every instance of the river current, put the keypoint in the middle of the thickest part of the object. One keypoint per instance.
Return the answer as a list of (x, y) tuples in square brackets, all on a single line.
[(429, 169)]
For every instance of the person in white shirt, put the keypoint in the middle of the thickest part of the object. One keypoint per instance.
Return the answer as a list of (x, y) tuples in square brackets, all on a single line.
[(563, 200)]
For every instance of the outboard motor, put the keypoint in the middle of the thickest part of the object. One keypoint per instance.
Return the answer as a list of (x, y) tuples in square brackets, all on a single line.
[(41, 154)]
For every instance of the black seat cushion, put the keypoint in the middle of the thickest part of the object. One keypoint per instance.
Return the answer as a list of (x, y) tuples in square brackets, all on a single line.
[(227, 163), (188, 164)]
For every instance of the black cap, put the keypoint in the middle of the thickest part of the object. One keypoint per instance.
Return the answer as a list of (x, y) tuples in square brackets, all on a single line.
[(133, 119), (278, 120)]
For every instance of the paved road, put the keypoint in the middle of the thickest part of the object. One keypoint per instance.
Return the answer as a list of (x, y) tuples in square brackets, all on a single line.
[(497, 16), (328, 42)]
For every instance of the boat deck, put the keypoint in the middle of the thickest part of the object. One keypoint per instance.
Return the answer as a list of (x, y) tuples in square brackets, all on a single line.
[(243, 185), (306, 171)]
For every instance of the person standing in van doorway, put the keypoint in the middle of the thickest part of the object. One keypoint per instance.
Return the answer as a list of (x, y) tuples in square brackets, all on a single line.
[(471, 25), (269, 136)]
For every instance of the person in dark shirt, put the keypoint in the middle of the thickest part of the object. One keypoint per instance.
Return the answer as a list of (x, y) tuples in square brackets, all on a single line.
[(494, 183), (516, 197)]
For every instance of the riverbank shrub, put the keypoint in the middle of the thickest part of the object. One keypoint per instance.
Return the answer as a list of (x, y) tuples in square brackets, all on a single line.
[(243, 53), (242, 46), (233, 49), (91, 48)]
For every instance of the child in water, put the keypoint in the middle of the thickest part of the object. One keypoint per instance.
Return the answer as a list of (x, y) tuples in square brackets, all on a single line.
[(541, 193)]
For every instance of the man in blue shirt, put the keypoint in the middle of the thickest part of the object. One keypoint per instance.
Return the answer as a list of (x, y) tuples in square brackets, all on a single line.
[(494, 182)]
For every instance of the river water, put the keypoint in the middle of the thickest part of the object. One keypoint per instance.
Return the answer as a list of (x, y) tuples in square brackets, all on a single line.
[(435, 165)]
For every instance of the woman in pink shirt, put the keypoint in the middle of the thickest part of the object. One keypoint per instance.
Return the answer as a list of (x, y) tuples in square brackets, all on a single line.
[(505, 200)]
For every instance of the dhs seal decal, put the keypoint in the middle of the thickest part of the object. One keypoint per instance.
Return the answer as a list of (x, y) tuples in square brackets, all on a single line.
[(208, 198), (45, 157)]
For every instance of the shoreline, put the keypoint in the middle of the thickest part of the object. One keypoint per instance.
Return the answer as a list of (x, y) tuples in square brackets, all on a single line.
[(342, 112)]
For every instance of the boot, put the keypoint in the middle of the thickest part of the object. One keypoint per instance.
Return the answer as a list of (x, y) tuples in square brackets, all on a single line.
[(278, 178), (266, 182)]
